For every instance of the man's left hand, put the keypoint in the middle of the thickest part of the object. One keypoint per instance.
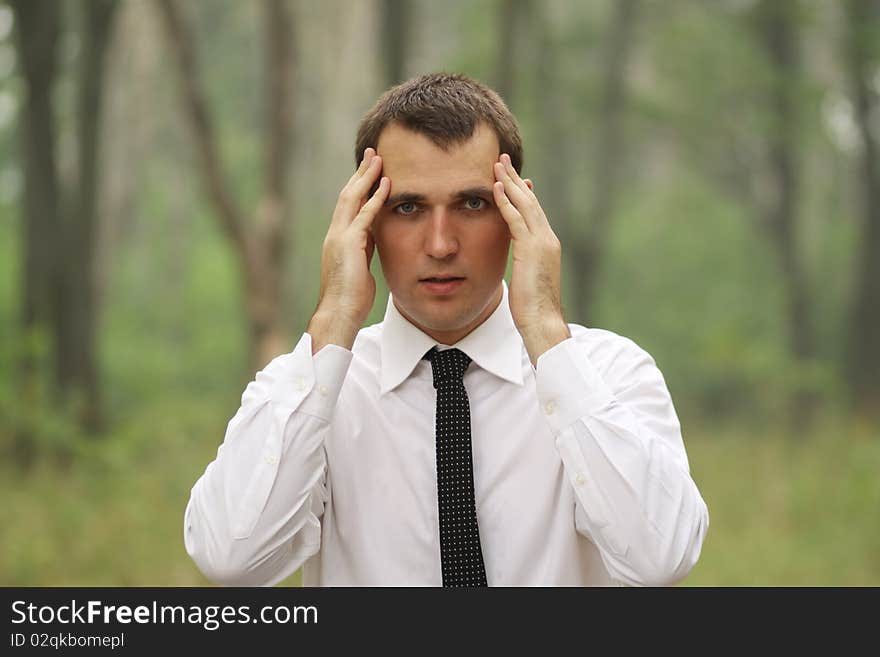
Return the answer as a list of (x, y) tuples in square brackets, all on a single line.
[(535, 289)]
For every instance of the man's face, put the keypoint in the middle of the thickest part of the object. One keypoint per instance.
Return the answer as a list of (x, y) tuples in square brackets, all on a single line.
[(442, 242)]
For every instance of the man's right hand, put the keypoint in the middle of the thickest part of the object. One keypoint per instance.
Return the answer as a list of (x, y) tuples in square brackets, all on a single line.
[(348, 289)]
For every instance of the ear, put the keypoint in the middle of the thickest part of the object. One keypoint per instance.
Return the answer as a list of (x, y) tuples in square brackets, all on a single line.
[(528, 181)]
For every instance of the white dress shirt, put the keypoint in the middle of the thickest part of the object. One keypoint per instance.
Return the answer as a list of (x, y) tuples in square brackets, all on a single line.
[(580, 473)]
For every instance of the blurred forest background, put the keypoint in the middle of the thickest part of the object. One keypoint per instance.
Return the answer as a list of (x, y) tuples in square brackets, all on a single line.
[(167, 173)]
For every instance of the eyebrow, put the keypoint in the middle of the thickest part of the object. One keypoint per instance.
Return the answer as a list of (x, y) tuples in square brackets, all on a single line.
[(470, 192), (404, 197), (411, 197)]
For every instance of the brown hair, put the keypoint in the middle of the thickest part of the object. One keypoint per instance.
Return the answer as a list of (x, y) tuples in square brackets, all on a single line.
[(444, 107)]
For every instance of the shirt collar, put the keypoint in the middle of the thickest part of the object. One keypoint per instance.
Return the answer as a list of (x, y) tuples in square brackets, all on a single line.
[(495, 345)]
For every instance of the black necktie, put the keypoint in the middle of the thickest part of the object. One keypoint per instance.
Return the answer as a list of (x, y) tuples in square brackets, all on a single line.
[(461, 557)]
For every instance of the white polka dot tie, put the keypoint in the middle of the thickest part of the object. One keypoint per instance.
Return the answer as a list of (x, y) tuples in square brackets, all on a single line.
[(461, 557)]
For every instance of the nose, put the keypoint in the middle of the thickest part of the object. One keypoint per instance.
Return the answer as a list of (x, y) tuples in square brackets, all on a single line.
[(441, 240)]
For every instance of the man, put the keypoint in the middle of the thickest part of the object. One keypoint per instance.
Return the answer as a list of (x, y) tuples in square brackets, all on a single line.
[(471, 438)]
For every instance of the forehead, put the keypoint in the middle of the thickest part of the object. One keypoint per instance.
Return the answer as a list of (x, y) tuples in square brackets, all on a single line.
[(414, 163)]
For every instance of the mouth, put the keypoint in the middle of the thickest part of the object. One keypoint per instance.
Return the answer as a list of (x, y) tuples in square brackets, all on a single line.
[(441, 279), (441, 284)]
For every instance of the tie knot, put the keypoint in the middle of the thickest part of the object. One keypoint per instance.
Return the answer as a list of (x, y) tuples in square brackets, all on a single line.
[(448, 365)]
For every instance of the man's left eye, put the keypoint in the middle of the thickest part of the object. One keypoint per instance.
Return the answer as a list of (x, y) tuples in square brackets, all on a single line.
[(475, 203)]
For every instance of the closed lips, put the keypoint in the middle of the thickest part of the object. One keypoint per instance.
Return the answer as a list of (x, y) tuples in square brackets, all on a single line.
[(444, 279)]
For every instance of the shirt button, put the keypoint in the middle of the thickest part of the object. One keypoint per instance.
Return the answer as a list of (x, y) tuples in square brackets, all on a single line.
[(299, 383), (579, 480), (323, 389), (550, 407), (271, 460)]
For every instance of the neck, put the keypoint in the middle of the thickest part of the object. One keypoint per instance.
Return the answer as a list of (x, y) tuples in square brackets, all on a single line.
[(452, 336)]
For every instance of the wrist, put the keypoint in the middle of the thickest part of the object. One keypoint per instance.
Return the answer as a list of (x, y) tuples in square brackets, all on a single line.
[(543, 336), (329, 326)]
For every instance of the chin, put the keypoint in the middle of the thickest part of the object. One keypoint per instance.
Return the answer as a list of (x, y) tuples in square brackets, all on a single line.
[(442, 322), (449, 315), (438, 319)]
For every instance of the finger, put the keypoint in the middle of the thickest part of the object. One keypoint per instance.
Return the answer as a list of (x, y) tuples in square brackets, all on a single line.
[(515, 222), (535, 213), (371, 247), (364, 218), (352, 195), (511, 171), (516, 195), (360, 187), (513, 177), (369, 153), (344, 210), (365, 163)]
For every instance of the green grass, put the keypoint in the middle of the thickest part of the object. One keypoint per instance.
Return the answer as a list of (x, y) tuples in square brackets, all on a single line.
[(783, 511), (789, 511)]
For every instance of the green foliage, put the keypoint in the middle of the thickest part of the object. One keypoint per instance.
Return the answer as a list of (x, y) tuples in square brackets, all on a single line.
[(688, 279)]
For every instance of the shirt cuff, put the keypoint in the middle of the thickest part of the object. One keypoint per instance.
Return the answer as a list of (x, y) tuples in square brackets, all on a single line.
[(569, 385), (328, 369)]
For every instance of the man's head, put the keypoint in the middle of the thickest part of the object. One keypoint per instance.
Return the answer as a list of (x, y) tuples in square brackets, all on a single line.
[(442, 242), (444, 108)]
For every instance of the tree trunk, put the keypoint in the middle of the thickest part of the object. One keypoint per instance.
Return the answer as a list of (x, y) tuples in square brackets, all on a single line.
[(864, 345), (262, 279), (77, 359), (778, 30), (510, 17), (554, 187), (37, 26), (261, 248), (587, 252), (395, 21), (268, 247)]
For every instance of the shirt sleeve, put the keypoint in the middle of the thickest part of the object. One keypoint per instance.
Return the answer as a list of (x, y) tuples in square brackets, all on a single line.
[(621, 447), (253, 517)]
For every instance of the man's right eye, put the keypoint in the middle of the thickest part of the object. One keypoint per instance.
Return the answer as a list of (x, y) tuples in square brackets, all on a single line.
[(405, 208)]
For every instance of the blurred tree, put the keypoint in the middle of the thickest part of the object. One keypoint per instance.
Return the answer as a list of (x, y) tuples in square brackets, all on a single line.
[(37, 25), (58, 280), (512, 15), (777, 26), (586, 248), (396, 22), (77, 360), (864, 72), (261, 245), (554, 185)]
